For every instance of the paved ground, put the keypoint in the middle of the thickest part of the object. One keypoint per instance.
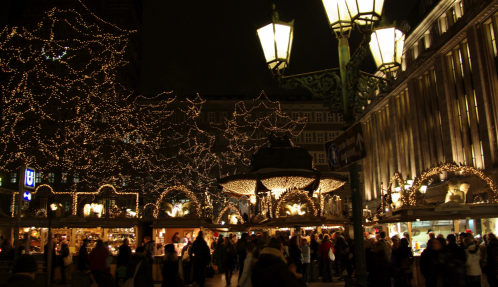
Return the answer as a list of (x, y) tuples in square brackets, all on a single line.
[(219, 281)]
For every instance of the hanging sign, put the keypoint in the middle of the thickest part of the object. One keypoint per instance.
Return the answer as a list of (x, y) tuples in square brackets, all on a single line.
[(26, 196), (346, 149), (29, 178)]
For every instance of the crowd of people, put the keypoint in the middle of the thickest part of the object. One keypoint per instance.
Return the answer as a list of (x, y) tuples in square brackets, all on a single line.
[(283, 260)]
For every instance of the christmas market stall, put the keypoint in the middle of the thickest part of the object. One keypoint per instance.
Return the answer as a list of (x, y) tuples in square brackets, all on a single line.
[(447, 199), (283, 187), (178, 219)]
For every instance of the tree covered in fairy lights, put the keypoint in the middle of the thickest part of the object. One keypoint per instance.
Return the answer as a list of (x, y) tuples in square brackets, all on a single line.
[(66, 112), (64, 109)]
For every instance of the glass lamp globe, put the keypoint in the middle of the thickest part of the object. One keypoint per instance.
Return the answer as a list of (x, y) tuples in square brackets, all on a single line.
[(365, 12), (387, 46), (276, 41), (338, 16)]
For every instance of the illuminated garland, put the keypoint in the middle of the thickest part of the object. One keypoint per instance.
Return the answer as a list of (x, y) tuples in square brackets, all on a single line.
[(76, 194), (241, 186), (190, 195), (449, 167), (328, 185), (295, 192), (230, 206), (286, 182), (35, 191)]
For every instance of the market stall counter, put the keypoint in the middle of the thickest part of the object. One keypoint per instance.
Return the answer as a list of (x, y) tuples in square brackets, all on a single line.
[(177, 231)]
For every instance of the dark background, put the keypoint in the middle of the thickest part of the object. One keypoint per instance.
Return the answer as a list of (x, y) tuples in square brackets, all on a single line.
[(211, 47)]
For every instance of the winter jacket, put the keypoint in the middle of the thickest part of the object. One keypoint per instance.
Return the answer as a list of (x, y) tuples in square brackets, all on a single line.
[(83, 262), (229, 258), (97, 258), (202, 253), (271, 270), (492, 257), (64, 254), (170, 273), (314, 247), (472, 263), (144, 274), (245, 278), (306, 253), (324, 250), (124, 255)]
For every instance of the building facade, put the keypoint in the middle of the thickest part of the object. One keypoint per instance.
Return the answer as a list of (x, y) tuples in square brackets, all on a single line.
[(444, 105)]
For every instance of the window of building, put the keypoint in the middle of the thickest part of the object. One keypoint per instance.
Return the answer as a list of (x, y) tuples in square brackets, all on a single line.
[(38, 177), (139, 139), (330, 117), (318, 117), (321, 158), (224, 115), (51, 177), (200, 117), (76, 178), (13, 177), (443, 24), (331, 136), (341, 118), (138, 178), (295, 116), (211, 117), (126, 139), (492, 37), (64, 177), (319, 137), (123, 182), (308, 116), (297, 138), (307, 137)]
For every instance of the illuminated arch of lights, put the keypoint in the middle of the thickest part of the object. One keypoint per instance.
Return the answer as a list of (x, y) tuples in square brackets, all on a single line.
[(295, 192), (190, 195), (230, 206)]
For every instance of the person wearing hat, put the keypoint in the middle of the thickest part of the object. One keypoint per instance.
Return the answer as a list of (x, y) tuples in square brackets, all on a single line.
[(24, 271)]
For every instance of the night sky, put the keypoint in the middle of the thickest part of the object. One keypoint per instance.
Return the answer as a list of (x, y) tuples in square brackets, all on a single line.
[(211, 47)]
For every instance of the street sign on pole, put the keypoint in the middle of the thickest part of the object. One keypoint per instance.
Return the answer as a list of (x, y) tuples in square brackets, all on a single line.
[(29, 178), (346, 149)]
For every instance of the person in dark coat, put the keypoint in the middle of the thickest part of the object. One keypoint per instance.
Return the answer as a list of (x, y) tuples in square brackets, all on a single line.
[(217, 256), (271, 268), (241, 252), (124, 254), (492, 259), (295, 254), (403, 260), (456, 251), (200, 256), (313, 248), (63, 254), (83, 261), (24, 271), (54, 258), (144, 274), (7, 251), (170, 267), (228, 259), (150, 249)]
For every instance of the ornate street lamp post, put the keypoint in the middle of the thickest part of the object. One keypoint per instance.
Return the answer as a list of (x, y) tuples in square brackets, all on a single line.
[(349, 91)]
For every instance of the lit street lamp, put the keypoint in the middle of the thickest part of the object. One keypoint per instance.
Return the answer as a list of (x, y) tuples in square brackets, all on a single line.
[(349, 91)]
